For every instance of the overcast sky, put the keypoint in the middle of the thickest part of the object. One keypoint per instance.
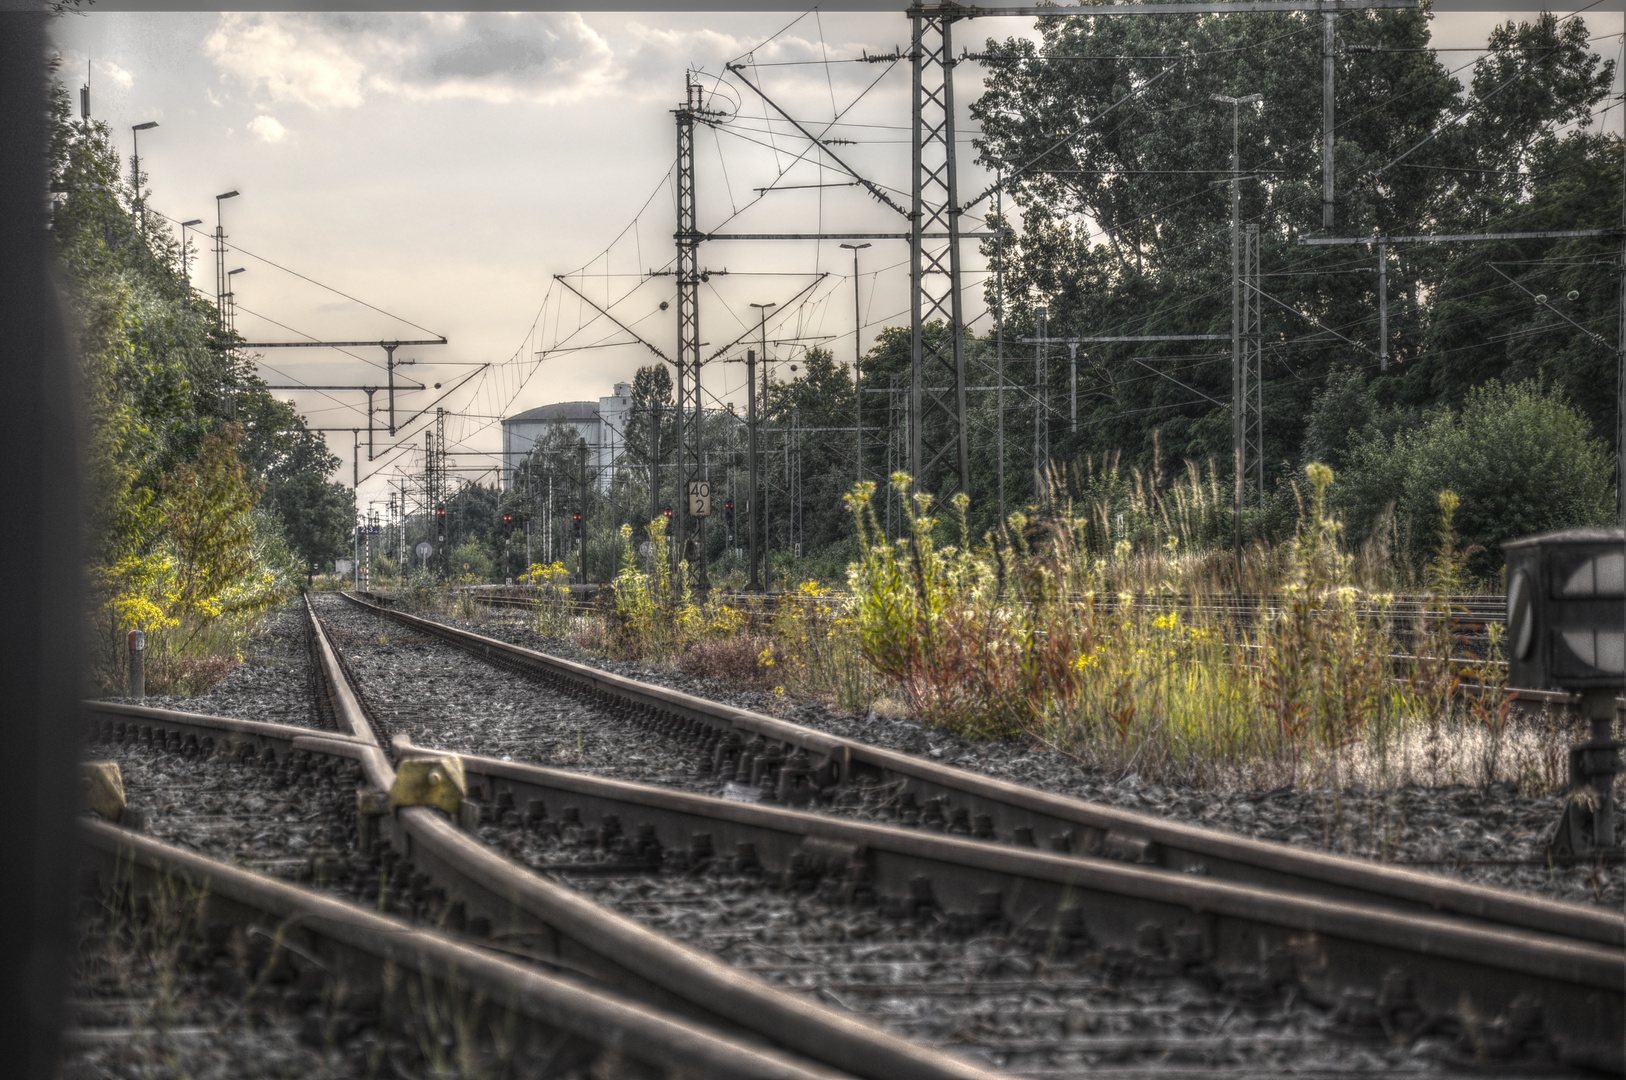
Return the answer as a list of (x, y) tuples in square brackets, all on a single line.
[(444, 167)]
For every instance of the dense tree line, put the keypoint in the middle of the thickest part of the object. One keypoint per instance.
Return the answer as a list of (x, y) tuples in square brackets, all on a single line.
[(207, 495), (1125, 229), (1119, 168)]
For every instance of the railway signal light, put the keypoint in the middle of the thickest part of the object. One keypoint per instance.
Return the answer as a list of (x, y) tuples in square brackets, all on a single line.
[(667, 514), (508, 524), (728, 511), (577, 519), (1564, 632), (440, 522)]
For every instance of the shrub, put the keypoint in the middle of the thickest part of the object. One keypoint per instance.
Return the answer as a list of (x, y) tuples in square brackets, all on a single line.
[(1520, 460)]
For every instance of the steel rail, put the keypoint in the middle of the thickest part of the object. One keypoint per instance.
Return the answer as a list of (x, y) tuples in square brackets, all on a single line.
[(1058, 821), (350, 941), (1334, 951), (1337, 948), (619, 951)]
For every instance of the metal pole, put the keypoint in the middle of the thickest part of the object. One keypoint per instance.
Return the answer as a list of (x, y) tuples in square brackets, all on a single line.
[(916, 274), (858, 360), (1072, 382), (1383, 306), (755, 584), (1041, 319), (654, 475), (1238, 392), (389, 369), (581, 467), (1327, 45), (999, 337)]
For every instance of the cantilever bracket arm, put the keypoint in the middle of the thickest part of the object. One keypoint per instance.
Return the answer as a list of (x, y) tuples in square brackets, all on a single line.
[(869, 186), (753, 330), (560, 278)]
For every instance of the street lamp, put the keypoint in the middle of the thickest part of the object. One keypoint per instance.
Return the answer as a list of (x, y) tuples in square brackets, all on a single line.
[(1237, 404), (220, 257), (858, 356), (186, 266), (135, 167)]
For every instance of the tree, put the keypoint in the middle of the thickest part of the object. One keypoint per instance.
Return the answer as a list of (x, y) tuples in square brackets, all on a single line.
[(315, 515), (1119, 159), (1520, 459)]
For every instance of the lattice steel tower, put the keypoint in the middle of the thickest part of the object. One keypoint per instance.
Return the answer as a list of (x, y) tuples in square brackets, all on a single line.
[(690, 412), (938, 434)]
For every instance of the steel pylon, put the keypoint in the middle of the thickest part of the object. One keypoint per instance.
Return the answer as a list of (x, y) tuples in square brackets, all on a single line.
[(939, 441)]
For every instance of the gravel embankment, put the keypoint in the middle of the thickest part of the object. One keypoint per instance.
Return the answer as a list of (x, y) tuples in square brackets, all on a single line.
[(187, 1000)]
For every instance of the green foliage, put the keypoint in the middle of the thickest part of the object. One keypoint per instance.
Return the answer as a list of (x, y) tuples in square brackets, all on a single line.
[(316, 515), (181, 444), (470, 563), (1025, 635), (1518, 457), (1124, 229)]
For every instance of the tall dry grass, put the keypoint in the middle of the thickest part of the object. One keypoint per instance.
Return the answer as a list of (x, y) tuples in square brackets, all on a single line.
[(1136, 659)]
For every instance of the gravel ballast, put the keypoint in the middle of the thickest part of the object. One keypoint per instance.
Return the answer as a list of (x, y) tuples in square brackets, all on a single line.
[(1489, 835)]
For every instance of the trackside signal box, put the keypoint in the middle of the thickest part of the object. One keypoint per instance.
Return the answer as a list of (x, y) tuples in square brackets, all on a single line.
[(1566, 611), (1566, 630)]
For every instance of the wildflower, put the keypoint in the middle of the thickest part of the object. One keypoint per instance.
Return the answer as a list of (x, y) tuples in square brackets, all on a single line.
[(765, 657), (779, 691)]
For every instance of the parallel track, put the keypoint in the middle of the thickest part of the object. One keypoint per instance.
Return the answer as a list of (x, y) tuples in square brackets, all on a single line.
[(793, 765), (1519, 991), (548, 1020), (1460, 950)]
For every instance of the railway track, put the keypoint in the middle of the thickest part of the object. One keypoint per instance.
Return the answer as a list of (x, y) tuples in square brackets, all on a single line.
[(969, 883), (753, 756), (404, 959), (1047, 963)]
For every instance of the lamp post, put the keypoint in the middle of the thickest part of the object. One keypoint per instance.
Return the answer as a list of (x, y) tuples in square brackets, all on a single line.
[(220, 258), (1237, 404), (135, 168), (231, 300), (186, 266), (858, 358), (751, 390)]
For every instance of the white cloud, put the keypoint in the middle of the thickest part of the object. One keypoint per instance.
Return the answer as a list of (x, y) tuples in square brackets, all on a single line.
[(119, 76), (288, 58), (268, 128), (338, 60)]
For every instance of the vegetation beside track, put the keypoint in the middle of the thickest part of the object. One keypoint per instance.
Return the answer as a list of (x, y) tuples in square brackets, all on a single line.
[(1135, 659), (210, 498)]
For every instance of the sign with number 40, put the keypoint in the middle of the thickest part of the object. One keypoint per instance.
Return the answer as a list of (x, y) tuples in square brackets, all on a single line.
[(700, 498)]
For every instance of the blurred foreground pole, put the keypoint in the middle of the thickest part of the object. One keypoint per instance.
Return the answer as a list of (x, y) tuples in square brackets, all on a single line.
[(39, 576), (138, 664)]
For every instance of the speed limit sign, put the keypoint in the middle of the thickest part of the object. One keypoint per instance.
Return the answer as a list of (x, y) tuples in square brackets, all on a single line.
[(700, 498)]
